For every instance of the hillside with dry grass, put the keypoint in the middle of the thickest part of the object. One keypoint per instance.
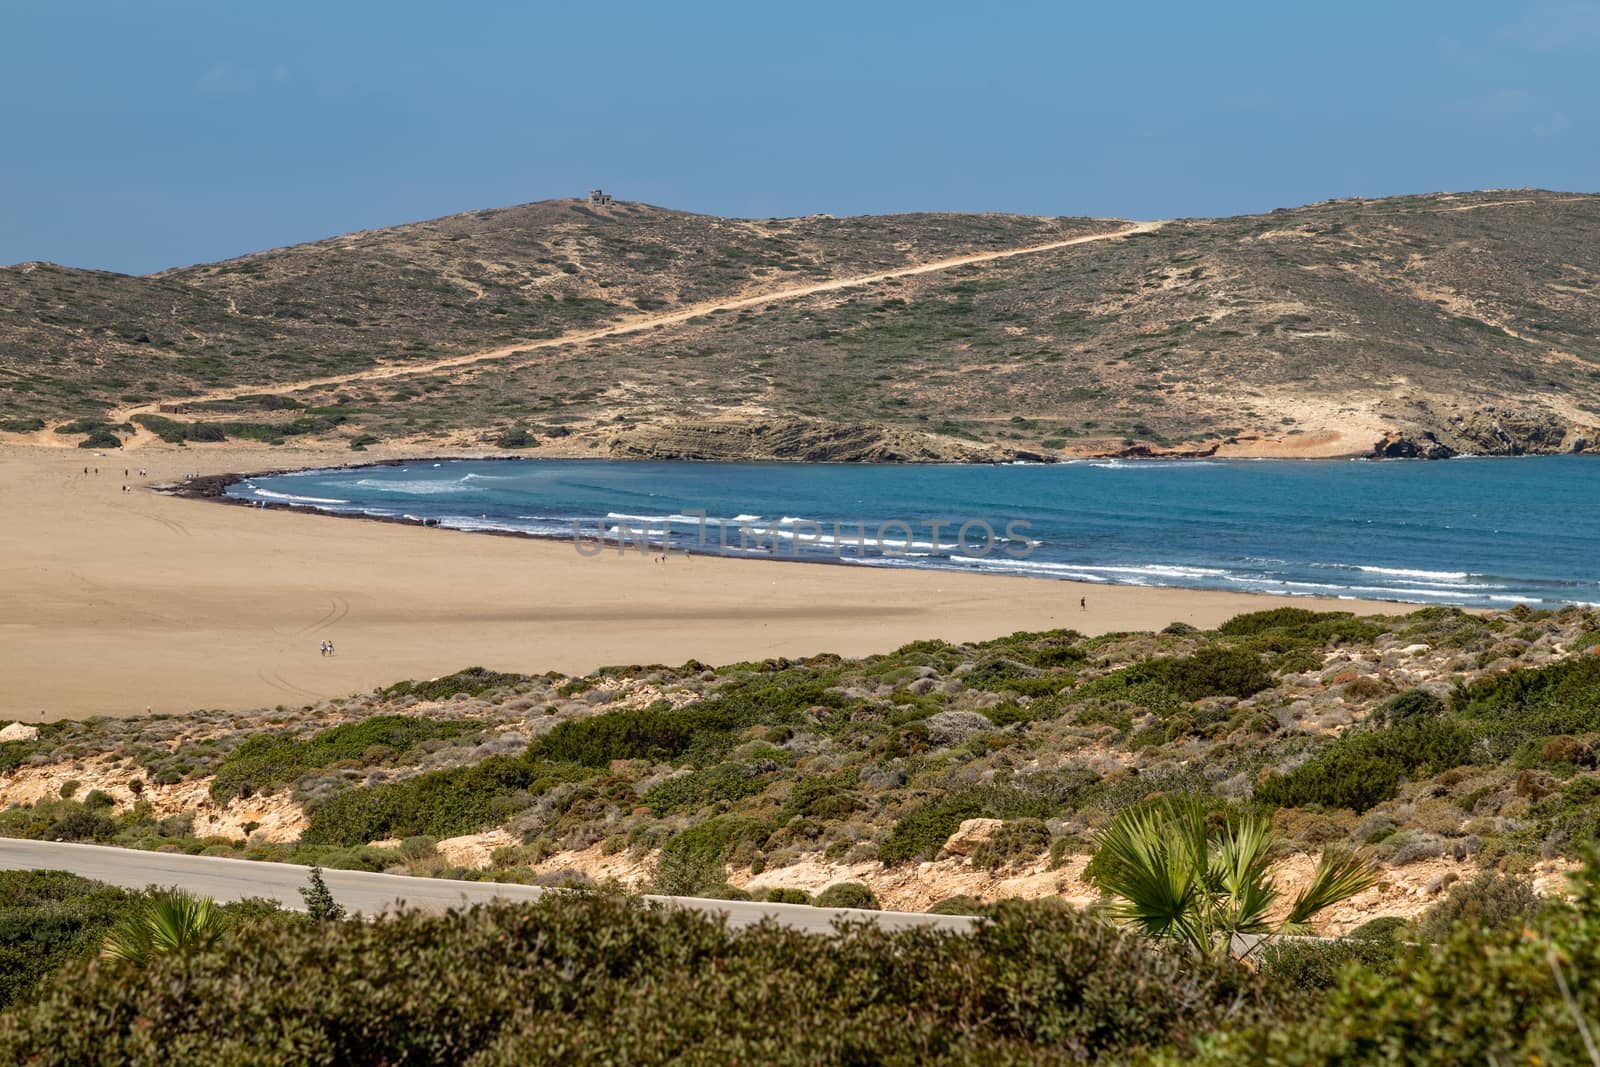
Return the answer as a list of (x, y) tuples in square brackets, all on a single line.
[(1422, 325)]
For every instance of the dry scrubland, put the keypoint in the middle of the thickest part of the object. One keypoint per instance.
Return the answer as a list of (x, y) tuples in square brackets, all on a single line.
[(1444, 742), (1432, 323), (1457, 751)]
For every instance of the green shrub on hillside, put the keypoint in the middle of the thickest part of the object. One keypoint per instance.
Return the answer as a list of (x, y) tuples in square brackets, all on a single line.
[(13, 753), (21, 425), (1015, 841), (1364, 768), (1572, 681), (592, 978), (474, 681), (1489, 901), (443, 803), (265, 762), (1505, 995), (1255, 622), (1310, 966), (1512, 708), (1301, 625), (1411, 705), (921, 833), (693, 862), (828, 798), (1210, 672), (47, 917), (703, 732), (726, 782), (847, 895)]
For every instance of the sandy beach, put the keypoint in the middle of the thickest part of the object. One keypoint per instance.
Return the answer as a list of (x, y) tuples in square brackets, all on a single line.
[(113, 603)]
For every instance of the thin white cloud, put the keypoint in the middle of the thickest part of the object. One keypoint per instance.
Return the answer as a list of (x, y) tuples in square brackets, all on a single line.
[(1549, 25), (226, 79)]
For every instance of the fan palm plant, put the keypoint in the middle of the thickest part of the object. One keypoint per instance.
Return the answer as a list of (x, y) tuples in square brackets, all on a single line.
[(166, 922), (1182, 872)]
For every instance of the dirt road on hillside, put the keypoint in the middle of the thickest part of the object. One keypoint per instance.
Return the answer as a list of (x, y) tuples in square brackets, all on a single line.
[(633, 325)]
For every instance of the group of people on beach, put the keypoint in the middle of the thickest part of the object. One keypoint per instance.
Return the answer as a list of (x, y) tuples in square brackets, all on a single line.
[(327, 648), (126, 473)]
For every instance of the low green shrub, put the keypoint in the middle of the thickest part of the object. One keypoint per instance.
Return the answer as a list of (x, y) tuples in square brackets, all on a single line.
[(593, 978), (702, 733), (1491, 900), (13, 753), (474, 681), (1312, 966), (921, 833), (694, 862), (725, 782), (265, 762), (439, 804), (1301, 625), (1016, 841), (1506, 994), (1364, 768), (961, 904), (826, 798), (847, 895), (1255, 622), (783, 895), (47, 917), (1411, 705), (1209, 672), (516, 437)]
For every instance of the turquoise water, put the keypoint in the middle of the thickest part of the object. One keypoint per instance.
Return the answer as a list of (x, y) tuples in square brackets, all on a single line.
[(1467, 531)]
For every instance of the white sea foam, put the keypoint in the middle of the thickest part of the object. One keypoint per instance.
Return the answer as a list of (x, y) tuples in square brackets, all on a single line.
[(295, 499), (462, 522), (1430, 576), (1159, 570), (419, 487), (658, 520)]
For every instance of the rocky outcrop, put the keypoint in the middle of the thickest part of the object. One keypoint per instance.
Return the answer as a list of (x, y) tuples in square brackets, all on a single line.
[(971, 834), (1151, 452), (798, 440), (18, 732), (1430, 430)]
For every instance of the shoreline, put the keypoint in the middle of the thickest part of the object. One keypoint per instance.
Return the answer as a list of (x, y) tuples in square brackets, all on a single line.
[(115, 603), (213, 489)]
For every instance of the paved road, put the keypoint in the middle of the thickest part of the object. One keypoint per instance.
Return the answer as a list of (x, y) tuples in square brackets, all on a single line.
[(365, 893)]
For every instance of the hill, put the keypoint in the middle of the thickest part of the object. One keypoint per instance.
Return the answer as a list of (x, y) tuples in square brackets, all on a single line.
[(1416, 325)]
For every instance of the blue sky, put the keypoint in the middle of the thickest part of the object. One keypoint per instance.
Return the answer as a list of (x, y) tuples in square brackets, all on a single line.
[(155, 133)]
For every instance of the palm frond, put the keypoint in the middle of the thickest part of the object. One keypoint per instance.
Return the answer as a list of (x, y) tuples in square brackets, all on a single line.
[(1339, 876), (1240, 861), (1154, 863), (165, 922)]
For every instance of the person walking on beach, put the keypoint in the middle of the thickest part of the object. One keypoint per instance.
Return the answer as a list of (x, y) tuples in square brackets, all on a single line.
[(1083, 603), (323, 648)]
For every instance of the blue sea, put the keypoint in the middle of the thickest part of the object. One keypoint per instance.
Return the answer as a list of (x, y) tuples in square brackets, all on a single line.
[(1472, 531)]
